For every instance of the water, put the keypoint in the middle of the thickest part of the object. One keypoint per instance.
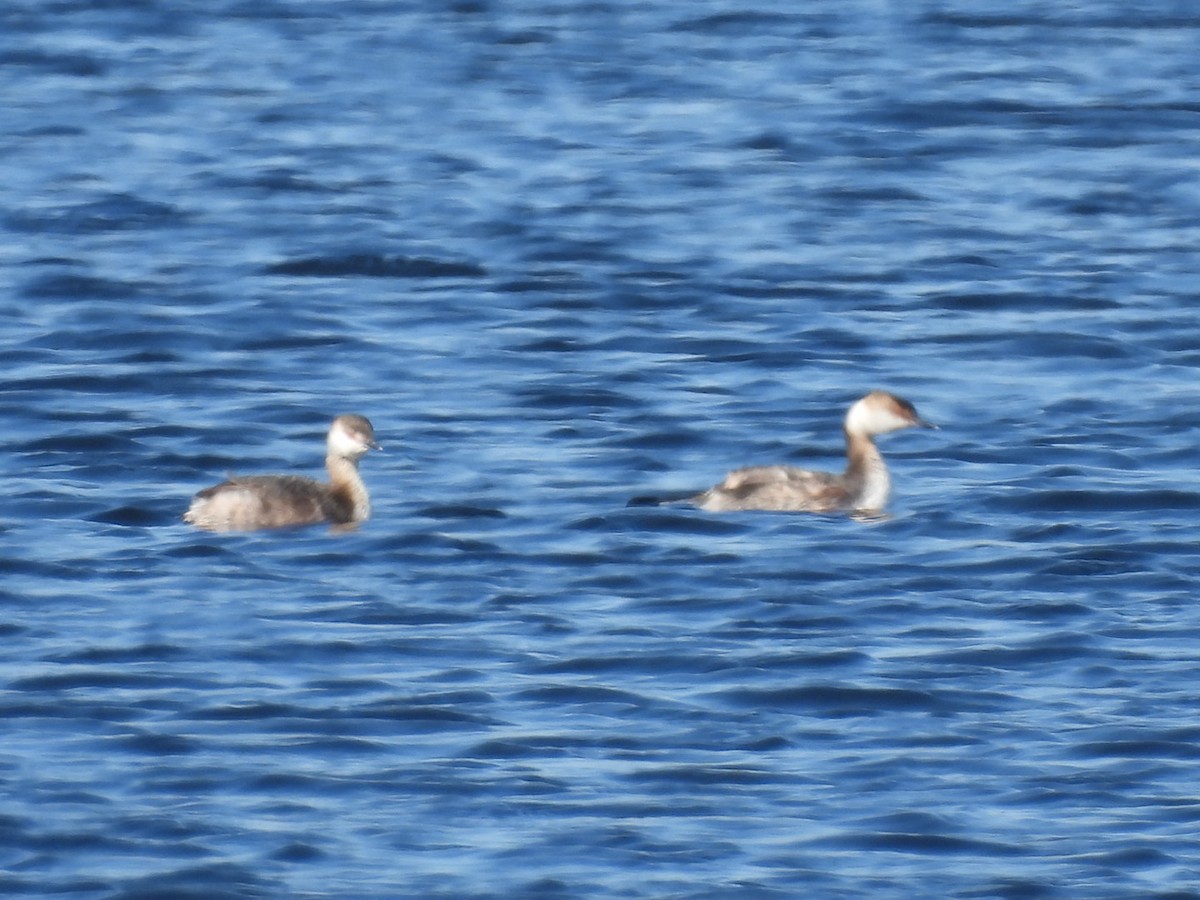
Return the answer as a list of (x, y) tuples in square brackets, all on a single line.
[(561, 255)]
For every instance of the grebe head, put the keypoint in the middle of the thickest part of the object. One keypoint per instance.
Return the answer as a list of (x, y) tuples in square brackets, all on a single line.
[(880, 412), (351, 436)]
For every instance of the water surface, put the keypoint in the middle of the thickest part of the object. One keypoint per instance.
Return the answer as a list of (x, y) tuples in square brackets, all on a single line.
[(562, 255)]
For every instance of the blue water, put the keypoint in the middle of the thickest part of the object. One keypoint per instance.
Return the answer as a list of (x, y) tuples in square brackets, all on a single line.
[(562, 254)]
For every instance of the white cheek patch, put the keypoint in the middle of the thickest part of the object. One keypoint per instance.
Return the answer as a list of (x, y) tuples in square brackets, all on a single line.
[(346, 440), (340, 438)]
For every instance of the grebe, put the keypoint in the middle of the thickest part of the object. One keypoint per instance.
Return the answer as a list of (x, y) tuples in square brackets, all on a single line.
[(862, 489), (276, 501)]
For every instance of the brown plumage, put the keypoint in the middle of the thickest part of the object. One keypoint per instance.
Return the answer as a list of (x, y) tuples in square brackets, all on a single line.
[(864, 486), (249, 503)]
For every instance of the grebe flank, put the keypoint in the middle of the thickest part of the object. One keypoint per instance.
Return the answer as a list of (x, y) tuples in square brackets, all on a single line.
[(276, 501), (862, 489)]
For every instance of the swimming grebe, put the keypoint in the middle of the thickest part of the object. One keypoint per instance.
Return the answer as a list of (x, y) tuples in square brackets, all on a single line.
[(276, 501), (863, 488)]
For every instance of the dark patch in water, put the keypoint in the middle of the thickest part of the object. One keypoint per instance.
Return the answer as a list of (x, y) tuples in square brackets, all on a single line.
[(369, 265)]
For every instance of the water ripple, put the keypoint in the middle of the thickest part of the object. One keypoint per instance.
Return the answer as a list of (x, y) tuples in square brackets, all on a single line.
[(564, 257)]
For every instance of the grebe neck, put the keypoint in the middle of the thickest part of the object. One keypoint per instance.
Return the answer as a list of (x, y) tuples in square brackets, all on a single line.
[(347, 487), (867, 479)]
